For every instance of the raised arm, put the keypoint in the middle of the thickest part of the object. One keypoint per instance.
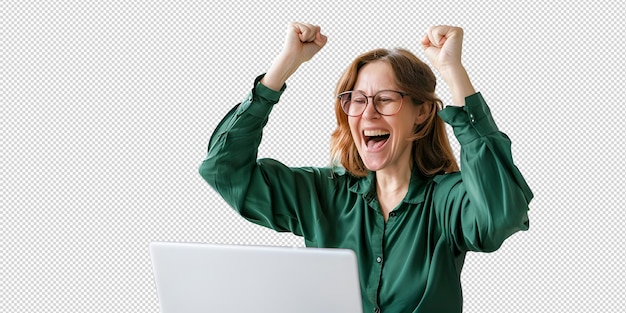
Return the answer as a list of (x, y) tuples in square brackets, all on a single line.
[(488, 201), (265, 191)]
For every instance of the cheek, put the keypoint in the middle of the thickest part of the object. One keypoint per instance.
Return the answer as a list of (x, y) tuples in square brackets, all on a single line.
[(403, 129), (353, 122)]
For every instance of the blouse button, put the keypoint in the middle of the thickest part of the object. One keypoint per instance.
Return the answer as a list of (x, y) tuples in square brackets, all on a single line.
[(392, 214), (379, 259)]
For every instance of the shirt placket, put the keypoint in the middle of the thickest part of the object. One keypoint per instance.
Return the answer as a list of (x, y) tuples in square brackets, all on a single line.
[(376, 244)]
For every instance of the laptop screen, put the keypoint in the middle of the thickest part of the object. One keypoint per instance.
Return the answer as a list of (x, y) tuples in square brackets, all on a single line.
[(197, 277)]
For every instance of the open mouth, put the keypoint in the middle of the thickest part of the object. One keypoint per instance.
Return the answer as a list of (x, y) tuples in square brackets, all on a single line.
[(375, 139)]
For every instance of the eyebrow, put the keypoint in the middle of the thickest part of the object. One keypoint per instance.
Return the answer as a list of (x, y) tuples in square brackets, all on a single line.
[(385, 89)]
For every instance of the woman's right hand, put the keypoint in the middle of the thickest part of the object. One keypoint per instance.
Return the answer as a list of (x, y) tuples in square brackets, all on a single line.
[(302, 42)]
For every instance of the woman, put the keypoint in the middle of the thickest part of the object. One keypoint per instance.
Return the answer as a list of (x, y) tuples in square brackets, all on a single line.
[(395, 196)]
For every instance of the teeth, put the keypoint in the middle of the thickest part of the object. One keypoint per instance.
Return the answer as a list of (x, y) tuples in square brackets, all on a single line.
[(375, 132)]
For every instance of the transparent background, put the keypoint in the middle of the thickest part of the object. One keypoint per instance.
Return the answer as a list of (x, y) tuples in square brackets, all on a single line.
[(107, 108)]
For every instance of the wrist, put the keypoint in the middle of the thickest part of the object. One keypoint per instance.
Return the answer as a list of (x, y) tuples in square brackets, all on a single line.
[(452, 72), (281, 69), (459, 83)]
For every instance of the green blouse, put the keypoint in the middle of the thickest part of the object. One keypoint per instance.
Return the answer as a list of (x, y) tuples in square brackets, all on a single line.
[(412, 262)]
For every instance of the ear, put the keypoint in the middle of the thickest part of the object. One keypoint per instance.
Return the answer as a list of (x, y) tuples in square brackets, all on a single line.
[(422, 112)]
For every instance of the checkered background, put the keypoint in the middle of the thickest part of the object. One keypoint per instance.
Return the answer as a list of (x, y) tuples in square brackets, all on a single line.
[(108, 106)]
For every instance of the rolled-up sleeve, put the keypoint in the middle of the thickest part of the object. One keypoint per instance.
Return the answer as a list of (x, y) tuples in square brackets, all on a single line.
[(487, 201)]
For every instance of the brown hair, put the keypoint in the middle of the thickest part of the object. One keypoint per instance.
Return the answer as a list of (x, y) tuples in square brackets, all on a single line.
[(431, 149)]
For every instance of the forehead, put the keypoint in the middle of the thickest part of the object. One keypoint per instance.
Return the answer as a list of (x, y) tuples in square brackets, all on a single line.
[(377, 75)]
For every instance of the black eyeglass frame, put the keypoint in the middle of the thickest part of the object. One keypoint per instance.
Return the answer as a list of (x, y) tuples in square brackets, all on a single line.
[(402, 94)]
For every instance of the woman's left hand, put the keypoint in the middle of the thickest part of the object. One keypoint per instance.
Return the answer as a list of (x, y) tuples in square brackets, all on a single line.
[(442, 46)]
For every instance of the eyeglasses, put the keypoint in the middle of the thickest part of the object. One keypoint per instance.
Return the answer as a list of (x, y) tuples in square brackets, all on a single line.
[(386, 102)]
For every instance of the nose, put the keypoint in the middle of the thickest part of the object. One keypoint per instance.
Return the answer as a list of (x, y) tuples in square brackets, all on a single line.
[(370, 110)]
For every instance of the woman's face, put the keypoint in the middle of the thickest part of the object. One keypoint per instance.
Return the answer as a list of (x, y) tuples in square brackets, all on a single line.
[(383, 141)]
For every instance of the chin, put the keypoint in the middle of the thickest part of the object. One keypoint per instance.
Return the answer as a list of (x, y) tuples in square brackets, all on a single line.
[(371, 166)]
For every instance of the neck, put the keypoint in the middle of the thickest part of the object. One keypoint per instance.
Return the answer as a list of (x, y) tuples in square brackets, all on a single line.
[(391, 188), (393, 181)]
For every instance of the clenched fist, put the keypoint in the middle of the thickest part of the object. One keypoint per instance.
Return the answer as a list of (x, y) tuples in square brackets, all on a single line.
[(442, 46), (302, 42)]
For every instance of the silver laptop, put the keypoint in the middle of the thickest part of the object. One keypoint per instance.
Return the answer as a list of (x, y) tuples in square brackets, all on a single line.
[(197, 277)]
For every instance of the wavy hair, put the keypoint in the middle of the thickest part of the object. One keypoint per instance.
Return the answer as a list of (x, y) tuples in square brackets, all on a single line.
[(431, 149)]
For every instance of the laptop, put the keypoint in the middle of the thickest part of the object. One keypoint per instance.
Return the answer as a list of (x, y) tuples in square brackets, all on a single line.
[(202, 277)]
